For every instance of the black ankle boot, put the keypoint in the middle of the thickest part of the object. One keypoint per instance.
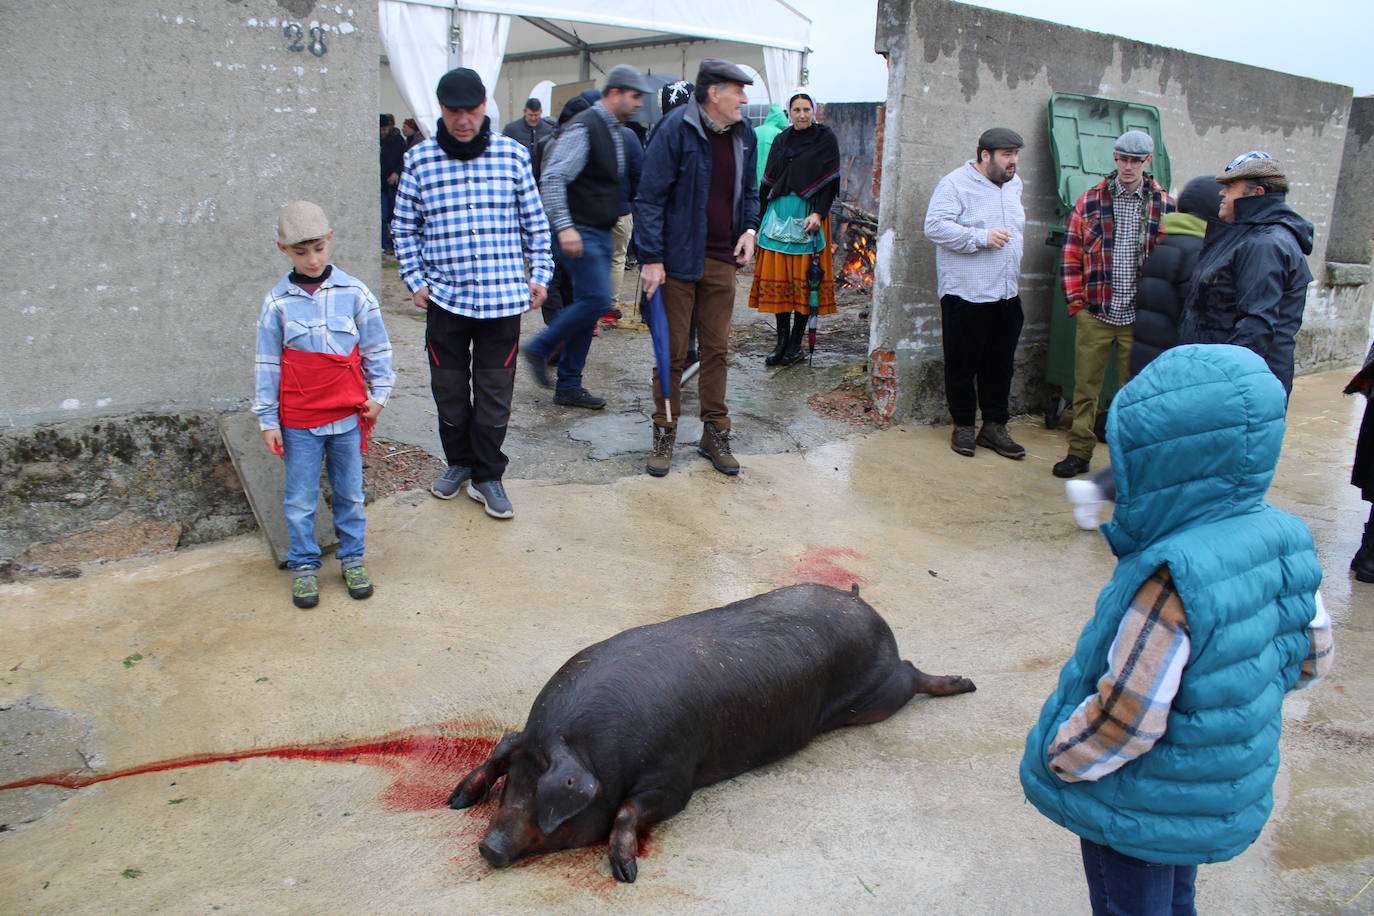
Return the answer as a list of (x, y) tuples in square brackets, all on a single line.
[(1363, 563), (794, 352), (784, 323)]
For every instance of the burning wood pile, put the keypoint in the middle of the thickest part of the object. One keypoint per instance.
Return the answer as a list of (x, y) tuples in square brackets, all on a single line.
[(856, 237)]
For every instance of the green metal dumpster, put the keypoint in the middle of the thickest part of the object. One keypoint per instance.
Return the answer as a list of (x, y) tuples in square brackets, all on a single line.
[(1083, 132)]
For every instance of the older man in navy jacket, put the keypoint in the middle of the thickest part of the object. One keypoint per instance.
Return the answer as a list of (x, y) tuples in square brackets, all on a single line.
[(696, 215)]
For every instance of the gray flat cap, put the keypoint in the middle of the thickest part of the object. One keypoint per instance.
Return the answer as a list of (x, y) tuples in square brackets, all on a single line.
[(626, 77), (1000, 138), (1135, 143), (714, 70)]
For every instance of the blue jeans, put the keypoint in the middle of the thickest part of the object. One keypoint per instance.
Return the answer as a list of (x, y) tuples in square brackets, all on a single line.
[(303, 451), (1121, 885), (388, 211), (574, 323)]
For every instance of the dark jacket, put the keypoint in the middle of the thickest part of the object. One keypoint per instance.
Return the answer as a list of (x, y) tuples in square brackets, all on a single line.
[(634, 167), (1163, 285), (670, 208), (528, 136), (393, 156), (1250, 287), (1362, 472)]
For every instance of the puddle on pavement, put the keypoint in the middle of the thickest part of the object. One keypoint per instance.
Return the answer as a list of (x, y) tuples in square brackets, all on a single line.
[(1327, 825)]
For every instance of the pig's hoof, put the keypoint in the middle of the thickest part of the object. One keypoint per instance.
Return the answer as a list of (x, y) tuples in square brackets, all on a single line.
[(625, 870), (961, 685), (460, 799)]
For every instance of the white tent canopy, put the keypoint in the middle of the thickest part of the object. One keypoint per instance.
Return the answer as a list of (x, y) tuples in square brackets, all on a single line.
[(515, 45)]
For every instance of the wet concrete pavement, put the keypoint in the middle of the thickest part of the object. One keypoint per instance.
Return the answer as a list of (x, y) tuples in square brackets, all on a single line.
[(546, 441), (297, 762)]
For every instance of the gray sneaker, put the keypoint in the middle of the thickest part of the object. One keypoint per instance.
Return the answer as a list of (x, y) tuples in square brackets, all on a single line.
[(492, 495), (447, 484)]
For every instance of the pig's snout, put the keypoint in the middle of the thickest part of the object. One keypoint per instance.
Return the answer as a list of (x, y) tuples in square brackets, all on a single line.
[(495, 848)]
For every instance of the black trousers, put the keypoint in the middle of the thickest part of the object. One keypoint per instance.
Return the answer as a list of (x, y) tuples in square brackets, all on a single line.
[(472, 376), (980, 351)]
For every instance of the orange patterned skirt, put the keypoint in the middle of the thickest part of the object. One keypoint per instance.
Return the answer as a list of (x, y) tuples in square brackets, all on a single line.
[(780, 281)]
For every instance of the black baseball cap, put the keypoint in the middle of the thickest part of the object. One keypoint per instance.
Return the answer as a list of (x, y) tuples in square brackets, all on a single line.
[(461, 88)]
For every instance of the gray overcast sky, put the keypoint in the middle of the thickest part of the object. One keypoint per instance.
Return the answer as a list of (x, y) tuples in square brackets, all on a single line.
[(1327, 40)]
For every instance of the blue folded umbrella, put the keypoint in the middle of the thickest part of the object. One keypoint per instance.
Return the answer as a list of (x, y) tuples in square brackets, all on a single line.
[(656, 317)]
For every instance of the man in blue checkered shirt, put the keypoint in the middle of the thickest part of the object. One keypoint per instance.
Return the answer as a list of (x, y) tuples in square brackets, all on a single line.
[(468, 219)]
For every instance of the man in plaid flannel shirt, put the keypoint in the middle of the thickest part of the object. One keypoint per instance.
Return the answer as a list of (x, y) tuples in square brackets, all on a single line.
[(1114, 226), (468, 218)]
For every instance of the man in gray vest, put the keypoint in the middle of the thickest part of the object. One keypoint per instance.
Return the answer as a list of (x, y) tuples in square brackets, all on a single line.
[(581, 192)]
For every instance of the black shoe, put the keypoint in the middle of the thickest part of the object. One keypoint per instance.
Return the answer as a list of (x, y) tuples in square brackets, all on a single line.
[(578, 397), (995, 437), (539, 369), (784, 320), (1363, 564), (961, 440), (1071, 466)]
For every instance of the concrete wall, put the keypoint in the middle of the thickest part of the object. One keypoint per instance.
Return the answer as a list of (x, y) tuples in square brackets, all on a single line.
[(955, 70), (148, 147), (856, 128)]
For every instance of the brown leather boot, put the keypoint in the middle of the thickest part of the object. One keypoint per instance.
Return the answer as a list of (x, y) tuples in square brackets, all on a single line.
[(661, 458), (715, 444)]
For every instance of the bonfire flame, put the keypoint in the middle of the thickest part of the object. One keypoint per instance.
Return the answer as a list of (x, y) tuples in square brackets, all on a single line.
[(857, 272)]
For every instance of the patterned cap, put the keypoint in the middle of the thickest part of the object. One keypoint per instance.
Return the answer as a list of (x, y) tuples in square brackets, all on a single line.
[(1253, 165)]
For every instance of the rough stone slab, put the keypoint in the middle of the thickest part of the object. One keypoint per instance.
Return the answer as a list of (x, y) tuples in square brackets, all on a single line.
[(1339, 274), (263, 478)]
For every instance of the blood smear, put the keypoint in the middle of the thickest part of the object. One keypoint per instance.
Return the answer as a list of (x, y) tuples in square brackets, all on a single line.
[(427, 763)]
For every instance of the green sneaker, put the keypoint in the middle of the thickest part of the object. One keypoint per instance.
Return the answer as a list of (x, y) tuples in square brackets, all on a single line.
[(358, 581), (305, 589)]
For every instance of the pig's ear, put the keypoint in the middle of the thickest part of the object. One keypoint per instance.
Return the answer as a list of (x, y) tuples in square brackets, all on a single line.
[(565, 789)]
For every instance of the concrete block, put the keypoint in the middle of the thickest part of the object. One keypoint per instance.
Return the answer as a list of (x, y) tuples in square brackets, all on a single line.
[(1338, 274), (262, 476)]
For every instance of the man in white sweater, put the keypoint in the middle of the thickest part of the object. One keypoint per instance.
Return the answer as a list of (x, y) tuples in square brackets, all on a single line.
[(978, 226)]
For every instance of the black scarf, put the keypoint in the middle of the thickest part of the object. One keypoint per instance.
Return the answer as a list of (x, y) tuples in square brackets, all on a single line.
[(297, 277), (801, 162), (460, 150)]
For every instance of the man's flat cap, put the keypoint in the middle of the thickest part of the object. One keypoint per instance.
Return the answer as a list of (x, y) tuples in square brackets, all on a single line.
[(626, 77), (1135, 143), (1255, 164), (1000, 138), (461, 88), (714, 70)]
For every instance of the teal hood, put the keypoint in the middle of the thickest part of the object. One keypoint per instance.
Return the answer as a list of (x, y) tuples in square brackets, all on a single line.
[(1194, 439)]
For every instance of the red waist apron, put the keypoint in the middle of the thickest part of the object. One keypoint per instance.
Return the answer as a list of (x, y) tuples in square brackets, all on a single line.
[(320, 388)]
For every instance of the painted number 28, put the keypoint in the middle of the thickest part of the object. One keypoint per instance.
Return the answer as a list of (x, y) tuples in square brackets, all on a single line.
[(294, 33)]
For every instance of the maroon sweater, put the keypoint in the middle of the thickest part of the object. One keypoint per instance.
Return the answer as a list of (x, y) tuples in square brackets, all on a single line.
[(720, 201)]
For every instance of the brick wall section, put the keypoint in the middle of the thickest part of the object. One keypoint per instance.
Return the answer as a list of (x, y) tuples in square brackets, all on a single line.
[(882, 384)]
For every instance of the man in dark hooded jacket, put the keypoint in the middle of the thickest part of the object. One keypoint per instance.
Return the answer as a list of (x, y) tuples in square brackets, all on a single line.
[(1250, 287)]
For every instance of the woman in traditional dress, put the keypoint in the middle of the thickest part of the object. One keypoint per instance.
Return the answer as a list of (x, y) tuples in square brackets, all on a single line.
[(799, 184)]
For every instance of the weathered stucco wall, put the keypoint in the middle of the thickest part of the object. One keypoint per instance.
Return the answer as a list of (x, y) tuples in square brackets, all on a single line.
[(148, 147), (955, 70)]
